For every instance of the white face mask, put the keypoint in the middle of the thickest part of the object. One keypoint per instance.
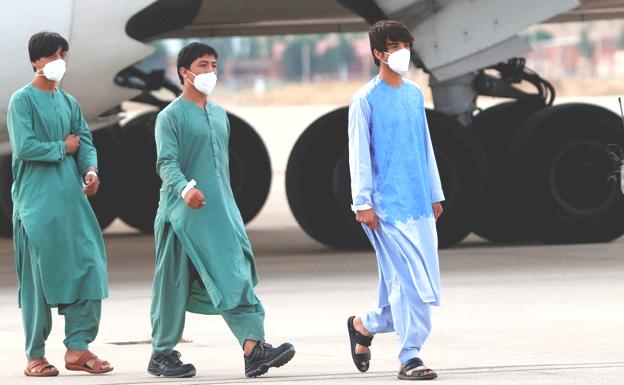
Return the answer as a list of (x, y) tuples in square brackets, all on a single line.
[(204, 83), (54, 70), (399, 61)]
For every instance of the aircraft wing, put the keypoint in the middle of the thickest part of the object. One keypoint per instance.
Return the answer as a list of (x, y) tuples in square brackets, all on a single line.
[(195, 18), (593, 10)]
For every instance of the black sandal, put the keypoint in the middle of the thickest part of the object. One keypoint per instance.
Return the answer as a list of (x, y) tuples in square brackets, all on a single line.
[(416, 374), (361, 360)]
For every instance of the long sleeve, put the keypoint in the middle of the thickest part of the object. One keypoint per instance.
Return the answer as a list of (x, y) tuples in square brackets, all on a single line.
[(24, 143), (87, 154), (167, 147), (437, 195), (359, 154), (227, 158)]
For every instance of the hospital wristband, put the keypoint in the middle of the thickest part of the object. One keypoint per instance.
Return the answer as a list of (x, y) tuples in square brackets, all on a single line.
[(190, 185), (356, 208)]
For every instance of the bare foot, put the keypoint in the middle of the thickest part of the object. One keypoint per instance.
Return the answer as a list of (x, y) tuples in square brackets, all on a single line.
[(426, 372), (72, 356), (359, 327), (40, 367), (248, 346)]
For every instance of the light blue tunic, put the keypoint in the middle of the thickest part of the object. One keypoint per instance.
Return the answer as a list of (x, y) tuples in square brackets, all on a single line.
[(393, 170)]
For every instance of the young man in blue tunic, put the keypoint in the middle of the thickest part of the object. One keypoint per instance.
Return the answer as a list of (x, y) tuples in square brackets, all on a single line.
[(396, 195)]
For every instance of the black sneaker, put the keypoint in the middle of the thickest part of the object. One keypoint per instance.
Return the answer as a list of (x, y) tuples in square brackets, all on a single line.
[(264, 356), (169, 365)]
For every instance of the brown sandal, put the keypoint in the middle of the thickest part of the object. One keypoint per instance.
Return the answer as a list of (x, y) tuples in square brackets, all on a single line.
[(47, 370), (81, 364)]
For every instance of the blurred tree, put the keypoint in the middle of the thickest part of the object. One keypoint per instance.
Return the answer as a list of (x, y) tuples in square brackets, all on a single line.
[(270, 41), (299, 55), (224, 46), (255, 48), (538, 36), (585, 45), (337, 57)]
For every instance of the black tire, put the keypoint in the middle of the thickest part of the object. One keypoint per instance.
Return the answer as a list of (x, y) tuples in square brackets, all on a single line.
[(318, 183), (6, 202), (499, 218), (342, 191), (250, 168), (250, 171), (139, 183), (310, 182), (463, 169), (563, 166), (104, 203), (6, 226)]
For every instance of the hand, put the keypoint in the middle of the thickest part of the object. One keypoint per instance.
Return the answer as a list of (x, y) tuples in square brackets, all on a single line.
[(92, 183), (72, 142), (195, 199), (368, 217), (437, 210)]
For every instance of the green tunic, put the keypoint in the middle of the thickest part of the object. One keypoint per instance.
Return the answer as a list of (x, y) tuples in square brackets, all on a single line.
[(49, 207), (192, 143)]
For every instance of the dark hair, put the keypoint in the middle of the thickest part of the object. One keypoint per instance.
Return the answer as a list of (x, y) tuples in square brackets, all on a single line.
[(44, 44), (190, 53), (388, 30)]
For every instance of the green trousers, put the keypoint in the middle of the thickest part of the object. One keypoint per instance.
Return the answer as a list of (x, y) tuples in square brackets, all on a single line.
[(82, 318), (175, 275)]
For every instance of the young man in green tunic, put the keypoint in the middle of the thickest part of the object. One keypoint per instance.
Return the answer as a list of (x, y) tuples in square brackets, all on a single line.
[(204, 261), (59, 250)]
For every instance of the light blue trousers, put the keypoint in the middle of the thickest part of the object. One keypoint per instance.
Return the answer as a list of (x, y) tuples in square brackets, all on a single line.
[(399, 308)]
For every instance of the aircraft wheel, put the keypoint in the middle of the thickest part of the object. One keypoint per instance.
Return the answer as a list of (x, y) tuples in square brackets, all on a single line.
[(6, 202), (250, 168), (104, 202), (139, 183), (318, 184), (564, 168), (342, 191), (501, 218), (310, 182), (463, 170), (250, 171)]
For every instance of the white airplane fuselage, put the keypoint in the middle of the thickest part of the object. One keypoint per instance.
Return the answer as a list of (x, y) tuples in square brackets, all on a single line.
[(98, 49)]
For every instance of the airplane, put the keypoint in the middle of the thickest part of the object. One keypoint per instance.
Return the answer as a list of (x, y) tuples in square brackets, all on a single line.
[(522, 170)]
